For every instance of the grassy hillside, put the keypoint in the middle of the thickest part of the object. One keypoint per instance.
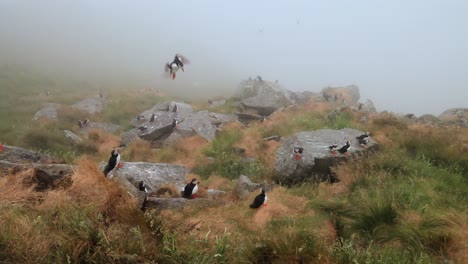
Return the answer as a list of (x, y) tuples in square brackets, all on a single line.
[(408, 203)]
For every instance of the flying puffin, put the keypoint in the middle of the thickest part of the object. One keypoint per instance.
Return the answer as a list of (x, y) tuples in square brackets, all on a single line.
[(114, 161), (191, 189), (344, 149), (260, 200), (333, 148), (176, 64), (298, 152), (363, 139)]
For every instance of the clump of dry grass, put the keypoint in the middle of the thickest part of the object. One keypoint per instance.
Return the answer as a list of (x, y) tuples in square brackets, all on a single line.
[(104, 141), (17, 188)]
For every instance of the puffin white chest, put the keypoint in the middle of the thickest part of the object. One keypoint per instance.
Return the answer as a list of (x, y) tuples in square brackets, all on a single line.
[(195, 190), (174, 67)]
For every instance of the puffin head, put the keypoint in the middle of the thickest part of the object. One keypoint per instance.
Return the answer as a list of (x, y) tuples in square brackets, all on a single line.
[(194, 181)]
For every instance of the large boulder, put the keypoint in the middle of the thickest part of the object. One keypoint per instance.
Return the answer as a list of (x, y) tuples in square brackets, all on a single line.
[(129, 136), (220, 119), (48, 111), (316, 160), (195, 124), (348, 95), (90, 105), (25, 156), (161, 109), (428, 120), (179, 203), (47, 170), (263, 97), (455, 116), (153, 174), (162, 126)]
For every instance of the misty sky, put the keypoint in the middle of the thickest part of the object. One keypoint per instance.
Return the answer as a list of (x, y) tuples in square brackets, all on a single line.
[(407, 56)]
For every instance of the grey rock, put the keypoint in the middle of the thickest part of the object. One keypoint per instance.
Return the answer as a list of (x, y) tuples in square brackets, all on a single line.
[(455, 116), (184, 110), (48, 111), (247, 118), (219, 119), (316, 159), (72, 137), (195, 124), (179, 203), (429, 120), (25, 156), (151, 131), (263, 97), (244, 187), (153, 174), (215, 194), (129, 136), (90, 105)]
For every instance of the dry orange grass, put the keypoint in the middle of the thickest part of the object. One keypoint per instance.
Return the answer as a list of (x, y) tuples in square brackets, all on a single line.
[(103, 140), (192, 147), (167, 190), (458, 247), (14, 188), (139, 150)]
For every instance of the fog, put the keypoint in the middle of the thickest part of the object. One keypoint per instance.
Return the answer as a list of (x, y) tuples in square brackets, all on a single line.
[(407, 56)]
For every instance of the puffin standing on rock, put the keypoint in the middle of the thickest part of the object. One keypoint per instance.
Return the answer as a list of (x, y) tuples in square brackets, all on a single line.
[(176, 64), (333, 149), (260, 200), (344, 149), (191, 189), (114, 161), (298, 152), (363, 139)]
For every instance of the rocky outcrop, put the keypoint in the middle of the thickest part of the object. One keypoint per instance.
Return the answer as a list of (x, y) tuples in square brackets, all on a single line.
[(25, 156), (72, 137), (179, 203), (262, 97), (455, 116), (367, 106), (428, 120), (245, 186), (219, 119), (48, 111), (153, 174), (195, 124), (129, 136), (316, 160), (47, 170), (247, 118), (90, 105), (163, 109), (162, 126)]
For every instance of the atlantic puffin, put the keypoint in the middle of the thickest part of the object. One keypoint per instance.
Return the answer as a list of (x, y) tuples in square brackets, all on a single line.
[(363, 139), (153, 116), (333, 148), (175, 108), (174, 123), (176, 64), (142, 188), (344, 149), (298, 152), (260, 200), (114, 161), (191, 189)]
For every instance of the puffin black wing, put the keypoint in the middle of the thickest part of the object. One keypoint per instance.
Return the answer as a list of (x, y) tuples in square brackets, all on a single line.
[(188, 190), (258, 201)]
